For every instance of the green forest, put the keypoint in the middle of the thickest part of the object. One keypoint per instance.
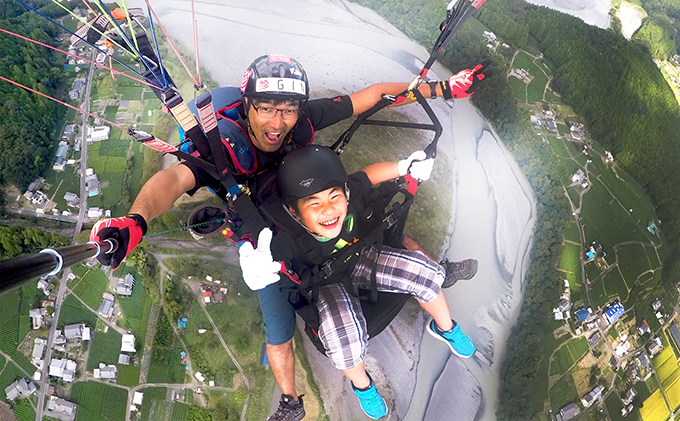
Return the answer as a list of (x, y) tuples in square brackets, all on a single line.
[(15, 241), (29, 122)]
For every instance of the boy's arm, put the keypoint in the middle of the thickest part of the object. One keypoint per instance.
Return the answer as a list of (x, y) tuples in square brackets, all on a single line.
[(382, 171)]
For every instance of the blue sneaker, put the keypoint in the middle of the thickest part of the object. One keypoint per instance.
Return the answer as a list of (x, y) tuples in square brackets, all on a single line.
[(371, 402), (459, 342)]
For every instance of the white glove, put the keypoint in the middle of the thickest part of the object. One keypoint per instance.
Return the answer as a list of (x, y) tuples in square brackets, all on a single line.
[(417, 165), (258, 266)]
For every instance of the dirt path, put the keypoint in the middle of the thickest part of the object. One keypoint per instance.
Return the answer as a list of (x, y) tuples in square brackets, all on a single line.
[(148, 342)]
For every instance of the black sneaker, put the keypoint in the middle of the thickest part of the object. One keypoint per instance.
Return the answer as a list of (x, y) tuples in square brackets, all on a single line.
[(288, 410), (455, 271)]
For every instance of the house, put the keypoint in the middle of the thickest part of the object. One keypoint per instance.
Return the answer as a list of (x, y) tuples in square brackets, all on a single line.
[(566, 412), (675, 333), (138, 398), (94, 212), (124, 359), (490, 36), (60, 159), (106, 306), (61, 409), (63, 369), (621, 349), (199, 376), (21, 387), (128, 343), (592, 396), (38, 198), (550, 124), (643, 328), (655, 347), (582, 313), (68, 131), (98, 134), (613, 311), (125, 284), (106, 372), (38, 350), (206, 296), (59, 338), (656, 304), (593, 339), (73, 332), (36, 317), (578, 177), (627, 409), (92, 185), (614, 363), (642, 360), (44, 286), (628, 397), (72, 199)]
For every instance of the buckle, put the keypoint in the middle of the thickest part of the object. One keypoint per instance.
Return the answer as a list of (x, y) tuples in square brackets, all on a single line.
[(235, 191), (390, 220), (327, 270)]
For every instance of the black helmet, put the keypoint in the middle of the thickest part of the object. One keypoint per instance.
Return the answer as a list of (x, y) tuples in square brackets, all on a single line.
[(309, 170), (275, 77)]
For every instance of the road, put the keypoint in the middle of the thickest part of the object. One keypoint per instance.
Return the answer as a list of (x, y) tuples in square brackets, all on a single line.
[(199, 297), (44, 380)]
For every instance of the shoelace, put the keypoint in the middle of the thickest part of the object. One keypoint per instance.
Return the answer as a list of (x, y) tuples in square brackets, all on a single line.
[(281, 410)]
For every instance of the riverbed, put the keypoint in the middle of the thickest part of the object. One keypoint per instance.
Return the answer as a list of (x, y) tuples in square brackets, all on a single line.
[(592, 12), (344, 48)]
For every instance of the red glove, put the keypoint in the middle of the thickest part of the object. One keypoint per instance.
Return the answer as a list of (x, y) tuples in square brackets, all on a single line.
[(464, 83), (127, 231)]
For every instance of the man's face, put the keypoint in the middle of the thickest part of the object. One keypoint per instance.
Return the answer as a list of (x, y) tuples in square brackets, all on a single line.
[(268, 132), (323, 213)]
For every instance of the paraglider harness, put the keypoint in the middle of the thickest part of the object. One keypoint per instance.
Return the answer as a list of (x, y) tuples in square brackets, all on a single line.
[(375, 227)]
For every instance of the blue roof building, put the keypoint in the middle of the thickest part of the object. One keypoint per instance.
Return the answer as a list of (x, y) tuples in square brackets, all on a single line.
[(614, 311), (581, 314)]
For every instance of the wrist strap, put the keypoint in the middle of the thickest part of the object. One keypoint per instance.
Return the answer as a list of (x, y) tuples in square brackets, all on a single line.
[(139, 219), (433, 89), (446, 89)]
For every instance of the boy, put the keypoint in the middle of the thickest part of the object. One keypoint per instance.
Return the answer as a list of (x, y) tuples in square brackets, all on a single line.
[(317, 193)]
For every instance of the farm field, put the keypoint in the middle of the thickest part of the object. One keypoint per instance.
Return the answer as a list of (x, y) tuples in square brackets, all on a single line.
[(99, 402), (91, 287), (73, 311), (105, 348)]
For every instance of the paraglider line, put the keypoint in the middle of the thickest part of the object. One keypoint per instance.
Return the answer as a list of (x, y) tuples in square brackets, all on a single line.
[(86, 23), (171, 43), (155, 42), (193, 18), (78, 36), (80, 58), (120, 30), (61, 102)]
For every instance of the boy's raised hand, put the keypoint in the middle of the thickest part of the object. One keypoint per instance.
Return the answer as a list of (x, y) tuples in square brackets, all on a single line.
[(257, 264), (418, 165)]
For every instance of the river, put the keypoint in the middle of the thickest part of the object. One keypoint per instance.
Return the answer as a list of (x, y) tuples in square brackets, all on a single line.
[(344, 48)]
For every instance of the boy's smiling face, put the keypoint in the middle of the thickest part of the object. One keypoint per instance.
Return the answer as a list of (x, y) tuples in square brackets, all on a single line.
[(323, 213)]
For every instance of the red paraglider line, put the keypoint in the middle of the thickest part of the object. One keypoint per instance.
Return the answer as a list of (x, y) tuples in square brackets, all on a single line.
[(62, 102), (80, 58)]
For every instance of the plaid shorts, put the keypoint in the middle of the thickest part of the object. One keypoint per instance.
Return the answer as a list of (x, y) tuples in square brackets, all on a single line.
[(342, 327)]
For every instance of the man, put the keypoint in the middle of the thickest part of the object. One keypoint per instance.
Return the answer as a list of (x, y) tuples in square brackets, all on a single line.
[(276, 117)]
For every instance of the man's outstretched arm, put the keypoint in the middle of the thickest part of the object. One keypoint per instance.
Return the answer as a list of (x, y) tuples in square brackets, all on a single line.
[(460, 85), (157, 196), (161, 191)]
